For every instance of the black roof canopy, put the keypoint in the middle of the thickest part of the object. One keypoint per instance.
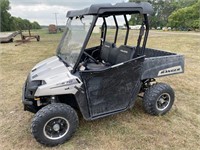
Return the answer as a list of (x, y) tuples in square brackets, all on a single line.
[(109, 9)]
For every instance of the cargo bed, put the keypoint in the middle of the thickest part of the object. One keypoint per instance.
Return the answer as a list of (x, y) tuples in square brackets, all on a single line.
[(160, 63)]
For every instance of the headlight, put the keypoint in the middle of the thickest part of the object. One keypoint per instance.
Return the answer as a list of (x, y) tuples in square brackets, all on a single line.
[(69, 82), (43, 82)]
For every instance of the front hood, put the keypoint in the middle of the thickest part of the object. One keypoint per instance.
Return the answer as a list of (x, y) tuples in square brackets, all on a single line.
[(55, 76), (50, 69)]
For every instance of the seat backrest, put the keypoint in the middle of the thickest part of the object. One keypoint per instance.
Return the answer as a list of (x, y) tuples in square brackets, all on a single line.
[(124, 53), (113, 55), (105, 50)]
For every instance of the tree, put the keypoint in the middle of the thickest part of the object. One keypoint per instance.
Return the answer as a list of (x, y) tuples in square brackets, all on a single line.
[(19, 25), (27, 24), (10, 23), (185, 3), (163, 9), (5, 15), (35, 25), (185, 18)]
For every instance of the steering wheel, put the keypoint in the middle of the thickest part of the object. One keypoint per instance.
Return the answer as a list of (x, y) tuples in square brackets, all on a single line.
[(91, 57)]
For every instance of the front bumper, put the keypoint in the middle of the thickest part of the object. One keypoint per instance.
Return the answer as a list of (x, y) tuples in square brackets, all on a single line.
[(29, 104), (24, 100)]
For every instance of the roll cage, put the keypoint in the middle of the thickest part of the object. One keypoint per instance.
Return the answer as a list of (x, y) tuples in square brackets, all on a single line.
[(107, 10)]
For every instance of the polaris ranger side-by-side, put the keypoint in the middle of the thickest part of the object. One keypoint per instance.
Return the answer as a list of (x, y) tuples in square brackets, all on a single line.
[(100, 80)]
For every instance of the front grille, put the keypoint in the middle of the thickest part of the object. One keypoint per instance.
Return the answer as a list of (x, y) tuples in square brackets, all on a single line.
[(31, 87)]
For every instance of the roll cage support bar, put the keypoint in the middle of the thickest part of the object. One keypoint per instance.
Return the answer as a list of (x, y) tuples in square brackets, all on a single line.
[(146, 23), (127, 30), (139, 50), (104, 27), (117, 28)]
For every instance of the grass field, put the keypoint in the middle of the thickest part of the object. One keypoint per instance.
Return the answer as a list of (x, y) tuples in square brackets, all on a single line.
[(133, 129)]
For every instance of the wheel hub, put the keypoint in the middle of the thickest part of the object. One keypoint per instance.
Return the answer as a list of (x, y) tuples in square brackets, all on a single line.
[(56, 127), (163, 101)]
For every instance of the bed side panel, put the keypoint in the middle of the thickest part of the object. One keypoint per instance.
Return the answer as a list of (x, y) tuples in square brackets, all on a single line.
[(162, 66)]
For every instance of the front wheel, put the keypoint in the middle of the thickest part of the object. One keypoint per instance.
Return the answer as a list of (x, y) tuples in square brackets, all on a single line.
[(158, 99), (54, 124)]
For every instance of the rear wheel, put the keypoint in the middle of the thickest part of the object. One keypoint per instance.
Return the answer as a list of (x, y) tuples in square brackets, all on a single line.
[(158, 99), (38, 38), (11, 40), (54, 124)]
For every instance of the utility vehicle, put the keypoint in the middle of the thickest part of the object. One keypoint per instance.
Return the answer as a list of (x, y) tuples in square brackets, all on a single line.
[(99, 80)]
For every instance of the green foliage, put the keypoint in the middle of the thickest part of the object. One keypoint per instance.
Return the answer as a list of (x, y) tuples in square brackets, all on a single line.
[(174, 13), (4, 5), (187, 17), (5, 16), (162, 9), (10, 23), (185, 3), (135, 19), (35, 25)]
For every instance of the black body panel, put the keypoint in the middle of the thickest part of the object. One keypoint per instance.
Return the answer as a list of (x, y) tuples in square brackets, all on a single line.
[(27, 100), (160, 63), (113, 89), (82, 102)]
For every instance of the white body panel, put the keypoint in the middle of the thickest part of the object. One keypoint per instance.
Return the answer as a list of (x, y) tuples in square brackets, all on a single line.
[(56, 77)]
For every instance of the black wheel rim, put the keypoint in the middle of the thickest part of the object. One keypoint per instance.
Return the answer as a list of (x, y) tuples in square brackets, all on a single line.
[(56, 128), (163, 101)]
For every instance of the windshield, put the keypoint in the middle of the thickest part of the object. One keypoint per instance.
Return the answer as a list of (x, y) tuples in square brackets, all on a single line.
[(73, 38)]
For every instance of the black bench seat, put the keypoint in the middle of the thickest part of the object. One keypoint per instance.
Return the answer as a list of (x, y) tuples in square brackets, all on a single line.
[(111, 55)]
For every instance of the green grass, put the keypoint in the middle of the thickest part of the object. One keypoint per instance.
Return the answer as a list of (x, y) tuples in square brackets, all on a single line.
[(133, 129)]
